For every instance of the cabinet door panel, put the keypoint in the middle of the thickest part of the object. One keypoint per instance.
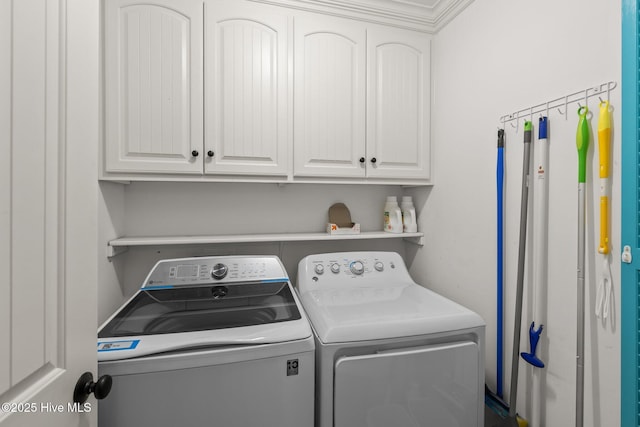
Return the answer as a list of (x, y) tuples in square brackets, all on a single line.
[(247, 79), (329, 97), (153, 85), (398, 104)]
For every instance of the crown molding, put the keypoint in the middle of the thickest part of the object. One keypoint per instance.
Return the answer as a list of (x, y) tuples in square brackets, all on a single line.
[(427, 16)]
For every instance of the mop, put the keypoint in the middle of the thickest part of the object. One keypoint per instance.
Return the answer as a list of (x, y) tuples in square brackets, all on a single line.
[(540, 220), (603, 295), (582, 143), (513, 420), (500, 267), (497, 408)]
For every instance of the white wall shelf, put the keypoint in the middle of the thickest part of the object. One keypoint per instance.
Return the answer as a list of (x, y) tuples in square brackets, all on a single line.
[(120, 245)]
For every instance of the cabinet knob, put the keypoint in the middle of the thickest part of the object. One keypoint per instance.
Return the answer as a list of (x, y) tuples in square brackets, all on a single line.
[(361, 159), (195, 153), (373, 160), (210, 153)]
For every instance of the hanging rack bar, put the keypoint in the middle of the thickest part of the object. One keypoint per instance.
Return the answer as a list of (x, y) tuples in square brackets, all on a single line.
[(562, 102)]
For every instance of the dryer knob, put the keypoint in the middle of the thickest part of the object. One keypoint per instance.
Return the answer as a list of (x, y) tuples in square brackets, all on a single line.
[(319, 268), (379, 266), (357, 267), (335, 268), (219, 271)]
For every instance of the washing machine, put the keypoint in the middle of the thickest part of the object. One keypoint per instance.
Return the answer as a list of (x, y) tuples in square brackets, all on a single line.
[(209, 341), (389, 352)]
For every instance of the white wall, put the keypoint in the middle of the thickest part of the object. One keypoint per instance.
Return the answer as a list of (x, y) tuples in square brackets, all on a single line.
[(111, 222), (172, 208), (495, 58)]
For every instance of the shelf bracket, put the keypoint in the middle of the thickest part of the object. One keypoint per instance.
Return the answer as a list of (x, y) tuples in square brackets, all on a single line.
[(419, 241), (113, 251)]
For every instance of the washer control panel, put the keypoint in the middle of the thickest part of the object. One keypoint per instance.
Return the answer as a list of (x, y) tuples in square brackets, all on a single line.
[(337, 269), (207, 270)]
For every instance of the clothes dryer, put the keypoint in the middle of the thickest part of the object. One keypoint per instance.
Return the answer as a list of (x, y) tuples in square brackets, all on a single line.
[(389, 352)]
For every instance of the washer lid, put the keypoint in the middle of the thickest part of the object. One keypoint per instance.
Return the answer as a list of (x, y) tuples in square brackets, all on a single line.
[(173, 318), (384, 311)]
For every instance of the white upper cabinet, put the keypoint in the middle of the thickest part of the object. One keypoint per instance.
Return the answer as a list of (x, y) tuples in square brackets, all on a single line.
[(153, 86), (335, 86), (209, 90), (246, 81), (398, 102), (329, 73)]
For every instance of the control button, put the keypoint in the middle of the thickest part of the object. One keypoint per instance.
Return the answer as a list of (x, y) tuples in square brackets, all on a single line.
[(357, 267), (219, 271), (335, 268), (379, 266), (319, 268)]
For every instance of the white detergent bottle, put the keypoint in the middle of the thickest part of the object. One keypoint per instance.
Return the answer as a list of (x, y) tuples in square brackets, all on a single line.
[(409, 220), (392, 216)]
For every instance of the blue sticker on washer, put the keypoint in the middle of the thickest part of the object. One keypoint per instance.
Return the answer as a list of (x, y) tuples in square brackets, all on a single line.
[(117, 345), (151, 288), (274, 280)]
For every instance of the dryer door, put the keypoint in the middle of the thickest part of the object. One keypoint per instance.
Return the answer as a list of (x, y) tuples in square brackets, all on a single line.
[(419, 386)]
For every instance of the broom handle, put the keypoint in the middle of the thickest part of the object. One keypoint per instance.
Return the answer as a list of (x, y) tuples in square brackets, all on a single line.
[(515, 357), (582, 143), (500, 265)]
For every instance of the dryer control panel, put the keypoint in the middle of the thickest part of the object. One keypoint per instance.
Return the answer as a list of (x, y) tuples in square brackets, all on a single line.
[(220, 269), (350, 268)]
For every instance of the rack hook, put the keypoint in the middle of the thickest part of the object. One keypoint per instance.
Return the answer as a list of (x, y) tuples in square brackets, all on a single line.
[(586, 98)]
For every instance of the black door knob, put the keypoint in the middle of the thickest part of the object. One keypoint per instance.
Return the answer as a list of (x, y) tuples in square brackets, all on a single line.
[(195, 153), (85, 386), (210, 153), (373, 160), (361, 159)]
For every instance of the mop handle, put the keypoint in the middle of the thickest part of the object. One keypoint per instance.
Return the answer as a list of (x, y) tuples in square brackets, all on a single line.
[(582, 143), (500, 268), (515, 354), (604, 148)]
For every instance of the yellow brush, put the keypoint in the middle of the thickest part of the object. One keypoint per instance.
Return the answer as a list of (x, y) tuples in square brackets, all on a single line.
[(604, 147), (603, 293)]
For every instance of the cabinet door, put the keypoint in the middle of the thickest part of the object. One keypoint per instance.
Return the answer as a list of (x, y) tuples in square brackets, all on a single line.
[(153, 86), (247, 126), (329, 97), (398, 103)]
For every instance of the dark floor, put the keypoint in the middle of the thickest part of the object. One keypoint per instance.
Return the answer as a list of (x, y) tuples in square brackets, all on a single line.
[(491, 419)]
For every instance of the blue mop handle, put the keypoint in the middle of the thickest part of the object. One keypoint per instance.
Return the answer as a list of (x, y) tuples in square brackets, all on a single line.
[(500, 258)]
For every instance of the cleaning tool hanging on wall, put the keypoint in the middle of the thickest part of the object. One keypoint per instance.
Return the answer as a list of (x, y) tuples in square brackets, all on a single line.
[(497, 410), (603, 295), (500, 266), (512, 418), (582, 143), (540, 220)]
